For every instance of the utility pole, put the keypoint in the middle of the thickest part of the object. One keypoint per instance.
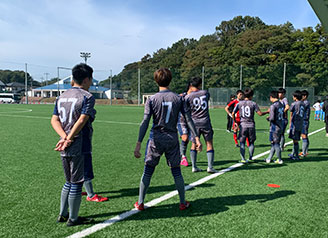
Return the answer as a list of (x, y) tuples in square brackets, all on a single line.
[(284, 76), (46, 74), (138, 86), (111, 87), (203, 77), (241, 77), (26, 96), (85, 55)]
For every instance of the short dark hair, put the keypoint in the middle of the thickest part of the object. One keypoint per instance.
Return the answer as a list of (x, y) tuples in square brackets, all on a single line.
[(297, 94), (163, 77), (282, 90), (232, 96), (248, 92), (274, 94), (239, 91), (80, 72), (195, 82), (305, 93)]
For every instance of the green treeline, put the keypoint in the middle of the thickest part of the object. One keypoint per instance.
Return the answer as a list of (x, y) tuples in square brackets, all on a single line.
[(261, 49)]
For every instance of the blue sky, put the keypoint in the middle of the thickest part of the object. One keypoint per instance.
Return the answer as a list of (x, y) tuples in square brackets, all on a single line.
[(46, 34)]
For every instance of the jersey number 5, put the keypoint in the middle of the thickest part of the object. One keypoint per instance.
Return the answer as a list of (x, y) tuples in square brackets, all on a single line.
[(62, 110)]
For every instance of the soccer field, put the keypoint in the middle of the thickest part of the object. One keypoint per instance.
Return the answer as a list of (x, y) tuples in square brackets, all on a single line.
[(235, 204)]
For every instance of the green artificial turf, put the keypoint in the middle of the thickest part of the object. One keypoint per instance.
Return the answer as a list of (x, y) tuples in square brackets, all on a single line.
[(235, 204)]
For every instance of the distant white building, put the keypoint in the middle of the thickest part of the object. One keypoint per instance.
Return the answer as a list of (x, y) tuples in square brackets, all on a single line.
[(63, 85)]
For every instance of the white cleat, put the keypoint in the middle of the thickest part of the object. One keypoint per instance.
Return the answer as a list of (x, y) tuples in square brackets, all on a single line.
[(279, 161), (211, 170), (267, 161)]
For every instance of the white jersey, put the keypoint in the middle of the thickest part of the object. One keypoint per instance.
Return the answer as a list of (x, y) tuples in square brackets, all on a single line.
[(317, 106)]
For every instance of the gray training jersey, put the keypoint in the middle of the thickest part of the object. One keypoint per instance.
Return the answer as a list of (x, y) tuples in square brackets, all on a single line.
[(284, 102), (297, 108), (276, 116), (307, 110), (246, 109), (198, 104), (69, 107)]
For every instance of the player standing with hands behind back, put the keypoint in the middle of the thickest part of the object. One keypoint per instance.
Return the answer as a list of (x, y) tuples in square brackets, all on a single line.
[(72, 111), (164, 107)]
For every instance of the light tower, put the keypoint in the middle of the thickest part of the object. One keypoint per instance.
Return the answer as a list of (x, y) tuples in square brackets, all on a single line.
[(85, 55)]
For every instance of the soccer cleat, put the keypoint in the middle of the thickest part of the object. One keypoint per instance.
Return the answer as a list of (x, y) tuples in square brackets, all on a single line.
[(61, 218), (228, 131), (184, 161), (211, 170), (293, 157), (97, 198), (139, 207), (278, 161), (267, 160), (84, 193), (79, 221), (196, 169), (236, 145), (244, 161), (184, 206), (302, 155)]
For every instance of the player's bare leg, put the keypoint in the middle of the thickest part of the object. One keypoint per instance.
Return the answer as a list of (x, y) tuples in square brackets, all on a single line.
[(183, 149)]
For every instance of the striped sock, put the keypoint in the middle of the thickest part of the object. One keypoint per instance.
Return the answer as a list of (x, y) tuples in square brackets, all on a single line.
[(145, 181), (74, 200), (179, 183), (64, 199)]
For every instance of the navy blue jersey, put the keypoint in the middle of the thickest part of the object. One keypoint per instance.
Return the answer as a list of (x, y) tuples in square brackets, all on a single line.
[(298, 110), (276, 116), (284, 102), (307, 110)]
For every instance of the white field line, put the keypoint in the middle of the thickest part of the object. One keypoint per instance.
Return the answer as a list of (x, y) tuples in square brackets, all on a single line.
[(28, 110), (167, 196)]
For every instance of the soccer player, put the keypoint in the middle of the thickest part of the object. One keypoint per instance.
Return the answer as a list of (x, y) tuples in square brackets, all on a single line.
[(325, 110), (184, 134), (317, 109), (164, 107), (230, 109), (197, 101), (236, 121), (71, 113), (276, 119), (297, 111), (322, 113), (246, 109), (284, 101), (306, 123)]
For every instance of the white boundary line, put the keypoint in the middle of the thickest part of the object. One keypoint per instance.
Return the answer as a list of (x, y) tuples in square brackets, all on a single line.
[(167, 196), (28, 110)]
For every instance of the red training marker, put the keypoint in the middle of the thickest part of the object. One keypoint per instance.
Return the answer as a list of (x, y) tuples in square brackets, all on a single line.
[(272, 185)]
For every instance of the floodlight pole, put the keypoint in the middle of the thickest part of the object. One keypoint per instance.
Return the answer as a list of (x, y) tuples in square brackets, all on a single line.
[(203, 77), (241, 77), (85, 55), (57, 81), (26, 96), (111, 87), (284, 76), (46, 74)]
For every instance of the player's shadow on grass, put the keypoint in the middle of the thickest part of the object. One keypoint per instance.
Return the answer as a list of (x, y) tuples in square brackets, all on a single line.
[(208, 206), (129, 192), (263, 145)]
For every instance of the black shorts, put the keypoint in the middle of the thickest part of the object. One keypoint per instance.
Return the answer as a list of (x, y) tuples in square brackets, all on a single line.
[(88, 169), (73, 168), (206, 132), (247, 132), (163, 143)]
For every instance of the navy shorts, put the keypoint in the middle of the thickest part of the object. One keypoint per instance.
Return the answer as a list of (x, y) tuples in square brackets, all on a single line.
[(247, 132), (183, 130), (163, 143), (305, 129), (294, 134), (88, 169), (206, 132), (73, 168)]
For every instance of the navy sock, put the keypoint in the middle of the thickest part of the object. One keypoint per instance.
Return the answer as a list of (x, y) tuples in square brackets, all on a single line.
[(251, 149), (179, 183), (145, 181), (295, 149), (278, 151), (183, 147)]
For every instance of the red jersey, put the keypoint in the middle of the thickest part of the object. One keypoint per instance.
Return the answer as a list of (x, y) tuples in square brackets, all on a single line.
[(233, 104)]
